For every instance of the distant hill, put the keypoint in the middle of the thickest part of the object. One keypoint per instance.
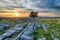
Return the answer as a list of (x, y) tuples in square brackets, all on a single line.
[(47, 17)]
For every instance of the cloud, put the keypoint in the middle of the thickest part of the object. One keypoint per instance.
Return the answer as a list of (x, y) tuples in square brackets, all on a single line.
[(32, 4), (57, 3), (41, 4)]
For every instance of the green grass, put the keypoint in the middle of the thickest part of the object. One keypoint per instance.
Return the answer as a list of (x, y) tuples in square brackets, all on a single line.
[(53, 27), (13, 23), (4, 30)]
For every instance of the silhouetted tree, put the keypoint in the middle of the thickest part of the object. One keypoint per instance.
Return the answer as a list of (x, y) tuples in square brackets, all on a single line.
[(33, 14), (0, 19)]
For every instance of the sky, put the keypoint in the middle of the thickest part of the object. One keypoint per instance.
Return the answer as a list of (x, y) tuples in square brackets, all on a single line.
[(41, 5), (31, 4)]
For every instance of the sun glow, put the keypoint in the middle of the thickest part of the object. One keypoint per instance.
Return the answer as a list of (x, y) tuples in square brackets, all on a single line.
[(17, 14)]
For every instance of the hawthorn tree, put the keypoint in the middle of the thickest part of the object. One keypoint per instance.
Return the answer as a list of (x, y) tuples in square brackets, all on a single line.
[(33, 15)]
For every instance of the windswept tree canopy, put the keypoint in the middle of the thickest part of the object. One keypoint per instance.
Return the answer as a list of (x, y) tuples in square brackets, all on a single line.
[(33, 14)]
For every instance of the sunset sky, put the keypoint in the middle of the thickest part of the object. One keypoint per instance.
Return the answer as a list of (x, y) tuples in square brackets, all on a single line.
[(39, 5), (17, 14)]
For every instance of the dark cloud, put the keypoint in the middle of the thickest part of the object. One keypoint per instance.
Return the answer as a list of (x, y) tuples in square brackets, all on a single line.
[(41, 4), (32, 4)]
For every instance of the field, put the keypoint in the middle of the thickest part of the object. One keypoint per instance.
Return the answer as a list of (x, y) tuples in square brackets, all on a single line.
[(12, 22), (51, 31), (49, 28)]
